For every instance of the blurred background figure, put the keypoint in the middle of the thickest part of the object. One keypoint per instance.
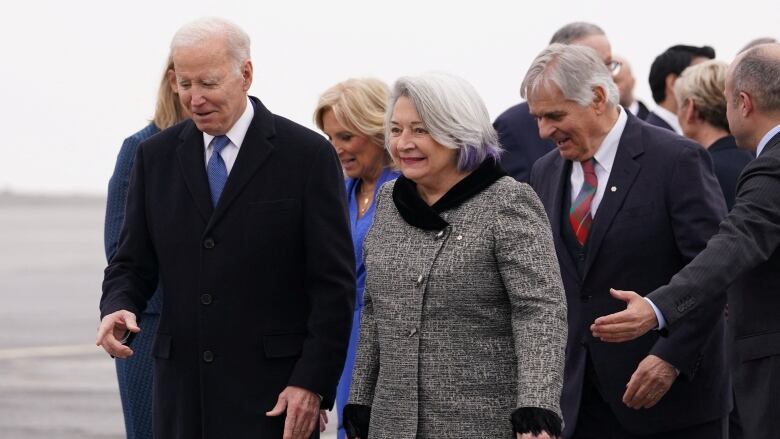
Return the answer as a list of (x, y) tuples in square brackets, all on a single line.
[(663, 72), (756, 42), (625, 81), (135, 373), (518, 131), (352, 115), (702, 115), (463, 297)]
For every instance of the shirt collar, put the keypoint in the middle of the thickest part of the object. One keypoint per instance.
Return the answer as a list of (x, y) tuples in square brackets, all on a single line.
[(669, 118), (238, 131), (767, 137), (605, 155), (634, 107)]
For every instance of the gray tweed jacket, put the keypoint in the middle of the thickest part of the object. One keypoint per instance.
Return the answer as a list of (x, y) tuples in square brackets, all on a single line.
[(460, 326)]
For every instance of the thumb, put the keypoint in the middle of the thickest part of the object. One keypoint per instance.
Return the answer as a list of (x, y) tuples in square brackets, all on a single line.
[(625, 296), (130, 322), (279, 408)]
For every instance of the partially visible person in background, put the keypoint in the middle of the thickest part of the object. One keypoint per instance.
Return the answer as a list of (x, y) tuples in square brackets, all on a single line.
[(464, 321), (663, 72), (702, 115), (624, 79), (757, 42), (517, 129), (352, 115), (135, 373)]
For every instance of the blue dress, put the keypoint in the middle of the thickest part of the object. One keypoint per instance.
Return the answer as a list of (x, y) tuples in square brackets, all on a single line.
[(359, 227), (135, 373)]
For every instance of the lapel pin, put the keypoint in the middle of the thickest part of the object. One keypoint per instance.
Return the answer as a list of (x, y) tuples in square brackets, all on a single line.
[(613, 189)]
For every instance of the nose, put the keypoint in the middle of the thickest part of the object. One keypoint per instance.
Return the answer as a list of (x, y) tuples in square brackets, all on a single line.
[(546, 129), (337, 147), (197, 98), (404, 140)]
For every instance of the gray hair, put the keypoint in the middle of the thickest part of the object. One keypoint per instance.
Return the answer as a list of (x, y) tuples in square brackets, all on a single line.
[(756, 42), (575, 31), (757, 73), (203, 29), (575, 70), (453, 113)]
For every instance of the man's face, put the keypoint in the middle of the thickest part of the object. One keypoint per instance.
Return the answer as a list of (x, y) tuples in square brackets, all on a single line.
[(625, 83), (210, 86), (572, 127)]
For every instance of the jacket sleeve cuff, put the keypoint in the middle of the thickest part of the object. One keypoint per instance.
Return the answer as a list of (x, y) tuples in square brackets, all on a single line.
[(535, 420), (356, 419)]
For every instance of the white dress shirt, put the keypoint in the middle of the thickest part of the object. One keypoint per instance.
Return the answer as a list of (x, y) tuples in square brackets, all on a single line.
[(634, 107), (236, 135), (767, 137), (669, 118)]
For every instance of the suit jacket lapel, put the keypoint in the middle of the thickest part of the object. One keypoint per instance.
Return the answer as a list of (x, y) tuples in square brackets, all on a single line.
[(560, 174), (624, 171), (193, 167), (253, 152)]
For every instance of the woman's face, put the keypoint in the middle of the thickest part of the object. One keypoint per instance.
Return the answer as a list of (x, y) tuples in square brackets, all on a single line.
[(360, 157), (419, 157)]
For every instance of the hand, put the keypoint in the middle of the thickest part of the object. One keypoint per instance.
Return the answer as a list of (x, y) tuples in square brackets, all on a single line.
[(323, 420), (303, 409), (649, 383), (112, 329), (635, 321), (542, 435)]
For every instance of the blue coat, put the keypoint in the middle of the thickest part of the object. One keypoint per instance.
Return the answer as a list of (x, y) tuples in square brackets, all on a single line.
[(135, 373)]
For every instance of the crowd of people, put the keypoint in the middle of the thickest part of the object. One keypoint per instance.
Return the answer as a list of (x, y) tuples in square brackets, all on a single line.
[(582, 267)]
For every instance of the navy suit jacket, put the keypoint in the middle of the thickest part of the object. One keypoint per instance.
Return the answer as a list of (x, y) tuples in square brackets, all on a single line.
[(654, 119), (259, 290), (518, 133), (729, 161), (661, 205), (642, 112)]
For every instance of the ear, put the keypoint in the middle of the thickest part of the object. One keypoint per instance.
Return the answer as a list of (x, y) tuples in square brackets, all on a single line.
[(172, 81), (691, 113), (247, 72), (599, 99), (669, 81), (747, 107)]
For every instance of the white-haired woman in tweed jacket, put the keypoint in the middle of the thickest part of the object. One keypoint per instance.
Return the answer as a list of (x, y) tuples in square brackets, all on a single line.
[(464, 321)]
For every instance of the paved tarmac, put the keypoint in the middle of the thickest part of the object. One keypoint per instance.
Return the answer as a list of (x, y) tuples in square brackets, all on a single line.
[(54, 382)]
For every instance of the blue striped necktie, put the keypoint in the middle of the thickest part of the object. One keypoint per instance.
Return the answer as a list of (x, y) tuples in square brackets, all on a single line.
[(216, 169)]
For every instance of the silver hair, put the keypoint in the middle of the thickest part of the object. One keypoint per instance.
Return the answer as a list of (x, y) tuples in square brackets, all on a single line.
[(756, 42), (575, 31), (575, 70), (452, 112), (203, 29), (757, 73)]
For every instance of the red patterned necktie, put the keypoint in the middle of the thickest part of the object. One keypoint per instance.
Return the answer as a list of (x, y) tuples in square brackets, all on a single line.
[(579, 214)]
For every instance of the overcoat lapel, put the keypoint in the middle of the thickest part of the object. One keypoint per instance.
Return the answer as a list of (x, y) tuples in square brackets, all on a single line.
[(625, 169), (560, 171), (193, 167)]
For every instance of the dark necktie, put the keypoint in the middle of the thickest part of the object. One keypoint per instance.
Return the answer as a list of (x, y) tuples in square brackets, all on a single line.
[(579, 214), (216, 169)]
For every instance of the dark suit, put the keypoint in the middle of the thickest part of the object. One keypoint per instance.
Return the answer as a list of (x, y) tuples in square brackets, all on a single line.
[(745, 254), (729, 161), (655, 120), (259, 291), (518, 133), (645, 230), (642, 113)]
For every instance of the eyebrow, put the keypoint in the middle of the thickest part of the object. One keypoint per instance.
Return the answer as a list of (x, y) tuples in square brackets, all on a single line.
[(550, 114), (416, 122)]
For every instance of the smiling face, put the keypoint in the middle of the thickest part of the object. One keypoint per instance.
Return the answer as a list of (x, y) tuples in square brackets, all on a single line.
[(573, 128), (209, 85), (360, 157), (419, 157)]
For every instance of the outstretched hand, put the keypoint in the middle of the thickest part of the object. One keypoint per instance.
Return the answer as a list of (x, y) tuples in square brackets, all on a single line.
[(633, 322)]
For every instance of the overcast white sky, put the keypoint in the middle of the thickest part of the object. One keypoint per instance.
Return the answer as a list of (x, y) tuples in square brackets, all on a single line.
[(80, 76)]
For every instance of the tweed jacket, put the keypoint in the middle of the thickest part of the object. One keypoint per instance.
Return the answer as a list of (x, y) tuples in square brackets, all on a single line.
[(462, 325)]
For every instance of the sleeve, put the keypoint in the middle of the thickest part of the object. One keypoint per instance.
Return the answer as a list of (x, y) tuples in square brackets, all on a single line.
[(366, 371), (117, 195), (131, 277), (528, 265), (749, 236), (329, 270), (694, 214)]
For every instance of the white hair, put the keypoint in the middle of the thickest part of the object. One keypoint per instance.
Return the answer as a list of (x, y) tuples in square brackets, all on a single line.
[(203, 29), (452, 112), (575, 70)]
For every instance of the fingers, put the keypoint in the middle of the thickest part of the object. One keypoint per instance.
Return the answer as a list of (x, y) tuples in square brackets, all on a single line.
[(633, 322), (323, 421), (280, 407), (302, 408), (111, 329), (649, 383), (542, 435)]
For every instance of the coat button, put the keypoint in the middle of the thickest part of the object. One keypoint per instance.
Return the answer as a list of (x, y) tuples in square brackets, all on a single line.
[(412, 332), (208, 356), (440, 234), (205, 299), (419, 280), (208, 243)]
